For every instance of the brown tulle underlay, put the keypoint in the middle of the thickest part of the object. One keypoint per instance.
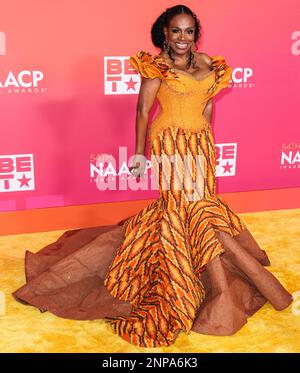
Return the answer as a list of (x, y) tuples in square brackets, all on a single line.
[(66, 279)]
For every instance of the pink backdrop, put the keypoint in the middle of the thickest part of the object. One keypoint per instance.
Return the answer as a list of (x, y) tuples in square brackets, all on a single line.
[(67, 94)]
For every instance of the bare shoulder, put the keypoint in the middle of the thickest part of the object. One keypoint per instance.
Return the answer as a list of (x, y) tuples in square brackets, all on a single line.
[(203, 58)]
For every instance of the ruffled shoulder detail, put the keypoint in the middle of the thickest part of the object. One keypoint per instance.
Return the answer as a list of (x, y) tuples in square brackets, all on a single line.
[(151, 66), (222, 75)]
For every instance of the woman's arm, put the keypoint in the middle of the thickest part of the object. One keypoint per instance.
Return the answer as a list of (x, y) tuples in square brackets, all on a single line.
[(148, 90), (207, 112)]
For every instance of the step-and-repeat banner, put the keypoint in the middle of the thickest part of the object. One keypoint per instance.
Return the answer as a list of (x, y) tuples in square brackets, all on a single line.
[(68, 97)]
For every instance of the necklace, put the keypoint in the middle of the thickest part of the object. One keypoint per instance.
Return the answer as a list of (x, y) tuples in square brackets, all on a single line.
[(179, 68)]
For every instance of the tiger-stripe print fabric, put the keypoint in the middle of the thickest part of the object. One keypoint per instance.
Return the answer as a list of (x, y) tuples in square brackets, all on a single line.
[(167, 245)]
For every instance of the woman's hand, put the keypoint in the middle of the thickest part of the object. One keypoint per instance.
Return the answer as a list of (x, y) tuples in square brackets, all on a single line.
[(138, 166)]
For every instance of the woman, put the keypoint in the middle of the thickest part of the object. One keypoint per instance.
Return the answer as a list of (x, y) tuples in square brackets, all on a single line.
[(184, 262)]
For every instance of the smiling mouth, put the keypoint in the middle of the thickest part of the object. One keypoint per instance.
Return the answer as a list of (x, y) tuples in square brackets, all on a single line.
[(181, 45)]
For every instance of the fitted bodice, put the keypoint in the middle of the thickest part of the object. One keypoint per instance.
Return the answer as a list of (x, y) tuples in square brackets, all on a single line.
[(181, 96)]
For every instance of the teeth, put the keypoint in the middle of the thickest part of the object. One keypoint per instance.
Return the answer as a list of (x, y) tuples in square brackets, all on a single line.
[(181, 45)]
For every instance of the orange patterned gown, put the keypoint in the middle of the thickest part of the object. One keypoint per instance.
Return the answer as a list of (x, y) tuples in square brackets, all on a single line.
[(186, 262)]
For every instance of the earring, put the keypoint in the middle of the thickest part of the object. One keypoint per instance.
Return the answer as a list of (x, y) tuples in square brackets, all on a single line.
[(192, 55), (195, 47), (166, 46)]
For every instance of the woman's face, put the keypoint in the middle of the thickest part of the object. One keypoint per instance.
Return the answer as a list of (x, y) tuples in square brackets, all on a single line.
[(181, 33)]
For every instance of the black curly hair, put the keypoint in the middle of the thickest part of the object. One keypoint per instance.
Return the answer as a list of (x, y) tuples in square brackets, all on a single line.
[(157, 29)]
